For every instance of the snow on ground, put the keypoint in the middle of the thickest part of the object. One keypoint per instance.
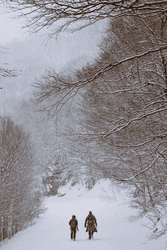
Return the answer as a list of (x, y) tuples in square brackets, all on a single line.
[(117, 227)]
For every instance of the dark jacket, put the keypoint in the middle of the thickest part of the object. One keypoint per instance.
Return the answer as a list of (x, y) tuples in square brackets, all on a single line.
[(73, 224), (92, 226)]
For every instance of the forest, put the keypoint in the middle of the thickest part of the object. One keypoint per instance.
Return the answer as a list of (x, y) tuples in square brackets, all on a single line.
[(107, 119)]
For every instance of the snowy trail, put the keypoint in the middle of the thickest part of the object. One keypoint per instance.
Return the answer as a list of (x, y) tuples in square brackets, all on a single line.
[(115, 231)]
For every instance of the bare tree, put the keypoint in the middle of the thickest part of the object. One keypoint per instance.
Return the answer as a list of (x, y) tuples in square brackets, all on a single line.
[(55, 90), (82, 13), (124, 111), (19, 195), (45, 13)]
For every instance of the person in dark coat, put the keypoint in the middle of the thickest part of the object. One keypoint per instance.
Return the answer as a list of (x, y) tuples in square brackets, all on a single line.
[(73, 226), (91, 224)]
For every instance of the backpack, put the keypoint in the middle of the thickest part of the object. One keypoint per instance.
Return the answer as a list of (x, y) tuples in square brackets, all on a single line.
[(73, 224)]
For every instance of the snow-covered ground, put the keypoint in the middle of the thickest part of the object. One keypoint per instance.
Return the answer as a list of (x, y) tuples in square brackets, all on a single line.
[(118, 226)]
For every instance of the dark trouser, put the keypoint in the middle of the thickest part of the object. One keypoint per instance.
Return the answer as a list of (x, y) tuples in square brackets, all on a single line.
[(73, 234), (90, 234)]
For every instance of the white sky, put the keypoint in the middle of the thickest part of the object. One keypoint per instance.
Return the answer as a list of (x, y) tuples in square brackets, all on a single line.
[(30, 55), (10, 29), (68, 46)]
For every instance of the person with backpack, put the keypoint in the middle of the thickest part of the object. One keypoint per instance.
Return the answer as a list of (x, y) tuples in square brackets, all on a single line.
[(91, 224), (73, 226)]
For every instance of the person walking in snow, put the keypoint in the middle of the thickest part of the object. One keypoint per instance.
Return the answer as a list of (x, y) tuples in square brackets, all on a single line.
[(73, 227), (91, 224)]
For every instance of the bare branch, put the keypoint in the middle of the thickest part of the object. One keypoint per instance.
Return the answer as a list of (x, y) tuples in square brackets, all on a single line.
[(120, 127), (141, 172), (45, 13)]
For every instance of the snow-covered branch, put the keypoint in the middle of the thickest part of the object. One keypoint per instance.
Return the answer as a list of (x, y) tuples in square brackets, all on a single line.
[(141, 172)]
